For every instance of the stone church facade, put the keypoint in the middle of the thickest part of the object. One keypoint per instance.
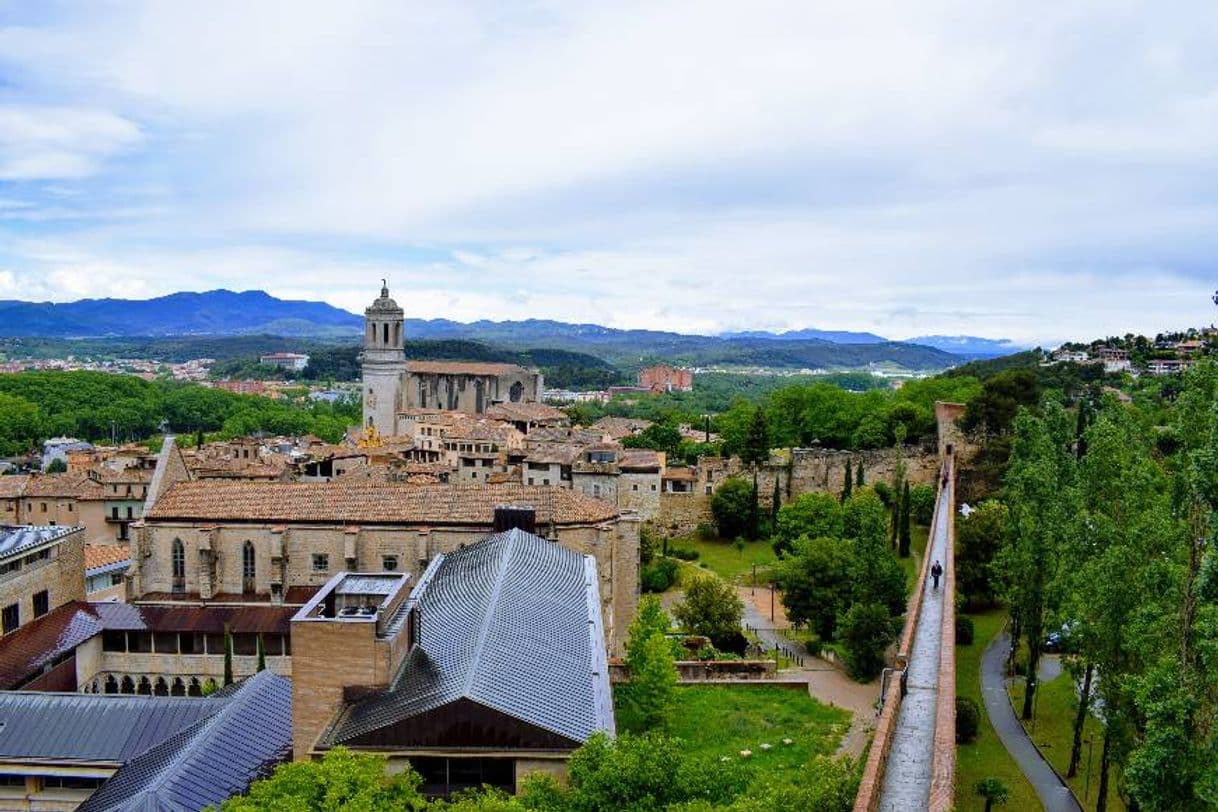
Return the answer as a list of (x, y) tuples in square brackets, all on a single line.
[(392, 385)]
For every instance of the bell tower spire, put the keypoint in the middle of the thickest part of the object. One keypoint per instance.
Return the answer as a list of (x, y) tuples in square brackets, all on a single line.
[(383, 362)]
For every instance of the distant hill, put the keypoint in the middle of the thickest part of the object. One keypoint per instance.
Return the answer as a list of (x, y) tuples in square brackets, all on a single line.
[(970, 346), (811, 334), (202, 317), (215, 312)]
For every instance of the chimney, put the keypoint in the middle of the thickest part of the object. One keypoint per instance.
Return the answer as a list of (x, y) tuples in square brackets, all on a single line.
[(510, 517)]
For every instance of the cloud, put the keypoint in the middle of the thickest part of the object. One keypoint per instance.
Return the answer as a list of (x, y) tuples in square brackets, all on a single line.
[(930, 168), (55, 143)]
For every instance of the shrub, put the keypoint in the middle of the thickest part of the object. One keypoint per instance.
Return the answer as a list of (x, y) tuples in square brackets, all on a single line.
[(711, 608), (865, 633), (683, 553), (705, 531), (733, 505), (964, 630), (659, 575), (968, 719), (922, 503), (648, 544), (884, 491)]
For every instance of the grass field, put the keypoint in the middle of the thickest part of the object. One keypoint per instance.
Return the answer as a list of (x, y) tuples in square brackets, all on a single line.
[(722, 720), (986, 756), (723, 559), (1053, 733)]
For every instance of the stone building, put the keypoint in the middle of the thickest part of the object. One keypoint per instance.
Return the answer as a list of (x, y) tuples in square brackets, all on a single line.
[(663, 378), (391, 384), (257, 542), (41, 568), (491, 665)]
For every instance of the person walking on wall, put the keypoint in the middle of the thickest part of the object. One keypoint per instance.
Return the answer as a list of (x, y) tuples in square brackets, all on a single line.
[(935, 571)]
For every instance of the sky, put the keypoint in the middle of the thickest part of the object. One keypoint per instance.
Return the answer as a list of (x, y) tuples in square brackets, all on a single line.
[(1002, 169)]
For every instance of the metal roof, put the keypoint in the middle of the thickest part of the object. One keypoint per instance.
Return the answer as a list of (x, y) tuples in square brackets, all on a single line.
[(211, 760), (357, 584), (17, 539), (92, 727), (511, 623)]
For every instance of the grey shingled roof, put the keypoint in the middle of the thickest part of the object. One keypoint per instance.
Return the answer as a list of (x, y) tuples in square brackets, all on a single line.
[(16, 539), (511, 623), (211, 760), (92, 727)]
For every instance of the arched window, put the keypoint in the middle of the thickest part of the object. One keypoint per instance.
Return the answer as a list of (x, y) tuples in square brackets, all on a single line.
[(127, 686), (179, 566), (194, 689), (161, 688), (144, 688), (516, 392), (111, 686), (385, 332), (178, 688), (249, 568)]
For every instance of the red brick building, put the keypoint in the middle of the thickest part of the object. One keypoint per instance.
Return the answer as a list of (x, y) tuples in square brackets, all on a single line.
[(663, 378)]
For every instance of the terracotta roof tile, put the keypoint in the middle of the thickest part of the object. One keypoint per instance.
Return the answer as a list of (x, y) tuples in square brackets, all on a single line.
[(101, 555), (463, 368), (12, 487), (369, 503)]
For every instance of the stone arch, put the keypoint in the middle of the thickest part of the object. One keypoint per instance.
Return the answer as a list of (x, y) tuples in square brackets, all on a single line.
[(127, 686), (160, 687), (111, 685), (143, 687), (516, 392), (178, 688), (194, 689)]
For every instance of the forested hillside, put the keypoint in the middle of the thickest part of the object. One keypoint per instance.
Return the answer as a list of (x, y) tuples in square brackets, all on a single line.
[(98, 407)]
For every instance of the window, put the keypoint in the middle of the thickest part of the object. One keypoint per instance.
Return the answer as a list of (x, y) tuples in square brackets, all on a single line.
[(116, 579), (130, 515), (249, 568), (44, 507), (114, 513), (178, 557), (321, 562), (70, 782), (42, 603), (114, 641), (10, 618), (596, 491), (389, 563), (634, 487)]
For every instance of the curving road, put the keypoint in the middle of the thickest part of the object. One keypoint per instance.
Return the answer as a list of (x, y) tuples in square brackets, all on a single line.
[(1053, 794)]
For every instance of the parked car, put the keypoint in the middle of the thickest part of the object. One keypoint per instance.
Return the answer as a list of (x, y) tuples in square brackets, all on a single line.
[(1058, 641)]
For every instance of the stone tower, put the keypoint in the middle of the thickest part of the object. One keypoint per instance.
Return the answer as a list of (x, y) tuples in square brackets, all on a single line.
[(383, 362)]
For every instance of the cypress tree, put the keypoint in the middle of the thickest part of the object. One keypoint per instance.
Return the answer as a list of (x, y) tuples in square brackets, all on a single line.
[(858, 476), (906, 538), (228, 656), (261, 654), (847, 487)]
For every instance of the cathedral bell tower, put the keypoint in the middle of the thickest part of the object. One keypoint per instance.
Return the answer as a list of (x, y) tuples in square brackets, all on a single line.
[(383, 362)]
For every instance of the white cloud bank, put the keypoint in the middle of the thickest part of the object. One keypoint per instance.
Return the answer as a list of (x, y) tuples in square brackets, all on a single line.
[(941, 167)]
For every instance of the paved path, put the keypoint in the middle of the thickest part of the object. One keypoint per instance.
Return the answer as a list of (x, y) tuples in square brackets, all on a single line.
[(826, 682), (1053, 795), (907, 773)]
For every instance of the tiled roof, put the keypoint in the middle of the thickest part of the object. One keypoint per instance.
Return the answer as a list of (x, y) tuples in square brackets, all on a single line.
[(98, 556), (640, 459), (12, 487), (525, 411), (213, 759), (369, 503), (83, 727), (618, 427), (511, 624), (59, 485), (463, 368)]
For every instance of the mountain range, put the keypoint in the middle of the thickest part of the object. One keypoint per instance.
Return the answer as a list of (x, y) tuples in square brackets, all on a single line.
[(249, 313)]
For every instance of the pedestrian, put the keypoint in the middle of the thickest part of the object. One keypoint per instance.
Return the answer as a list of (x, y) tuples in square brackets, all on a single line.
[(935, 571)]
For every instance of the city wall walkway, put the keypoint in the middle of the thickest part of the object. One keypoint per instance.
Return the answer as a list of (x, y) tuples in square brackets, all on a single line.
[(911, 765)]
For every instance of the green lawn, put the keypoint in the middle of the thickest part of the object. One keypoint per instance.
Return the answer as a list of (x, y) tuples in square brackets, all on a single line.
[(986, 756), (723, 559), (1053, 733), (722, 720)]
